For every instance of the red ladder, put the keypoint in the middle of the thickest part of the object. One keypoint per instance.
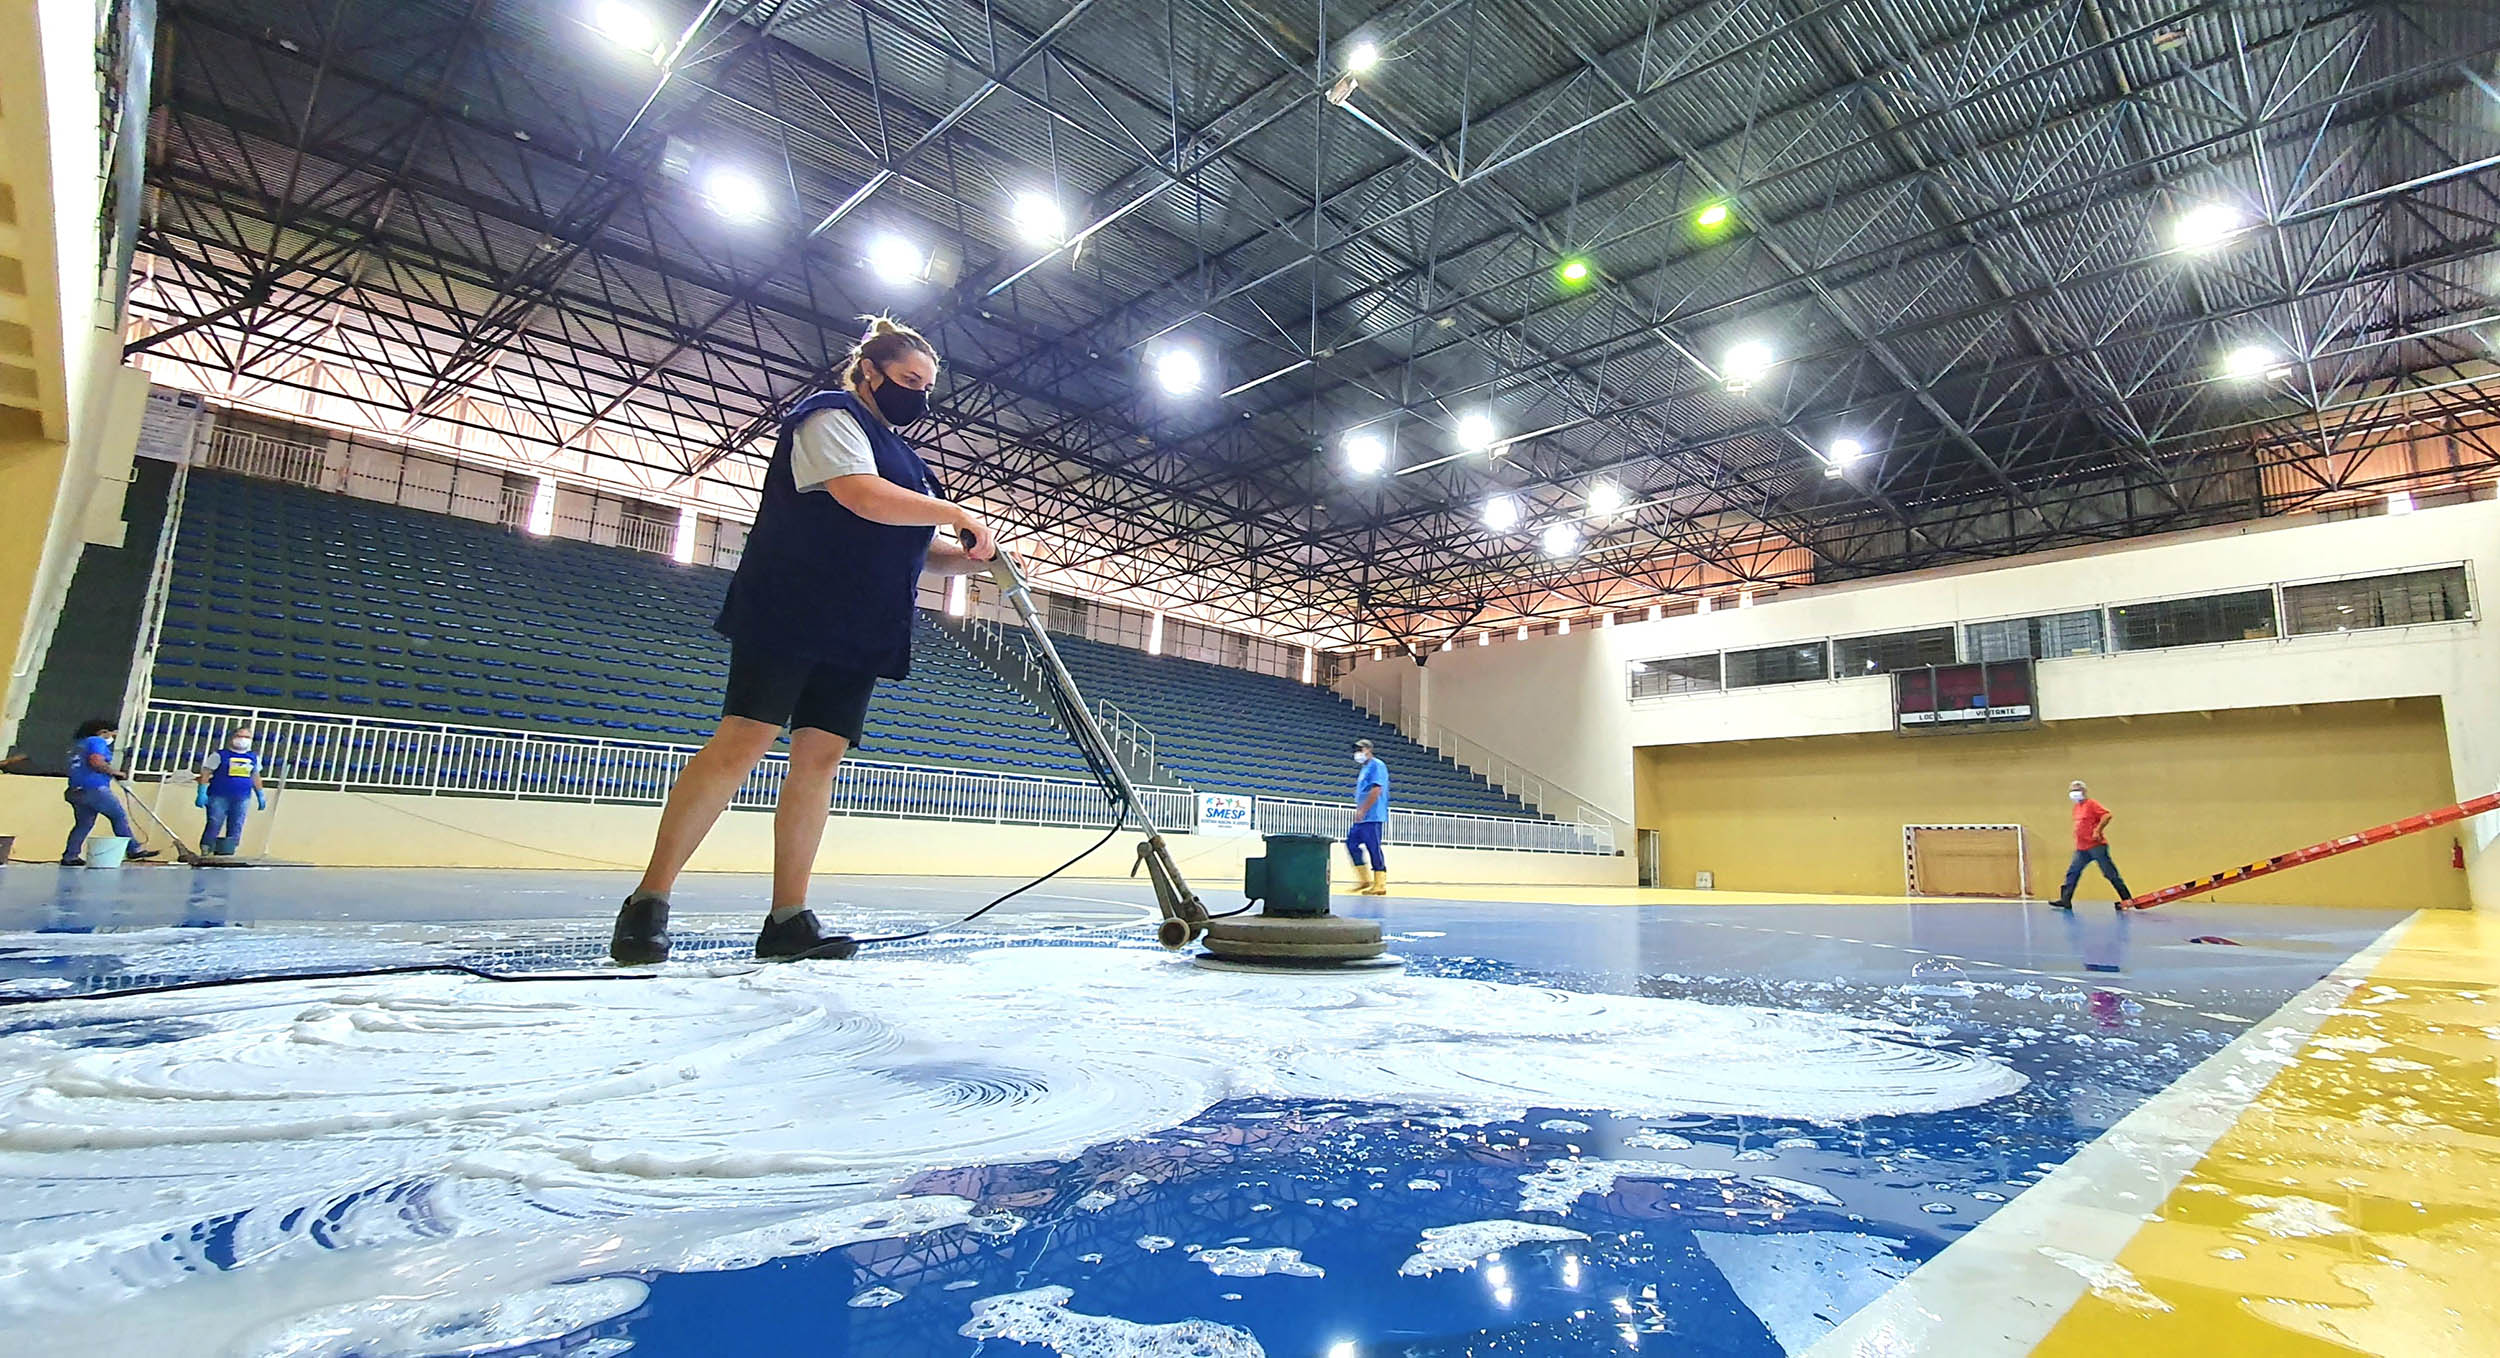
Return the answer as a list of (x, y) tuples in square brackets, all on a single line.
[(2410, 825)]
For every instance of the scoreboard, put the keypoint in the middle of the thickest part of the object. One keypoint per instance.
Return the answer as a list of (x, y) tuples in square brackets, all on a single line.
[(1964, 697)]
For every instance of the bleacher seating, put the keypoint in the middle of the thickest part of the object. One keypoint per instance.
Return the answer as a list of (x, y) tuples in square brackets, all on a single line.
[(1222, 729), (288, 598)]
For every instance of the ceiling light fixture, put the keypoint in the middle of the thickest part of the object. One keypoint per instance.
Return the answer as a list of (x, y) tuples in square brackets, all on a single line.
[(735, 195), (1366, 453), (897, 260), (2206, 226), (1180, 371), (628, 26), (1038, 219), (2250, 362), (1746, 363), (1501, 513)]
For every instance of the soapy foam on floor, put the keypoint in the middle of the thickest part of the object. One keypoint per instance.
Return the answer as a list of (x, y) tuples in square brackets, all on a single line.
[(527, 1138), (1234, 1262), (1468, 1243), (2109, 1280), (1560, 1184), (2292, 1217), (1042, 1317)]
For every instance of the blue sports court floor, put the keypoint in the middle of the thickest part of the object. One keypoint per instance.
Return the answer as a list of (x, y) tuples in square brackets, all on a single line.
[(1711, 1130)]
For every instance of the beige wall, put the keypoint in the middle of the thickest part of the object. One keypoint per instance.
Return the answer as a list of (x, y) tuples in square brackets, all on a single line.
[(1558, 705), (2193, 793), (348, 829), (61, 470)]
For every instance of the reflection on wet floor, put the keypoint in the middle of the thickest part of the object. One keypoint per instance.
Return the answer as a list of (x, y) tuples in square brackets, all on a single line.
[(1342, 1186)]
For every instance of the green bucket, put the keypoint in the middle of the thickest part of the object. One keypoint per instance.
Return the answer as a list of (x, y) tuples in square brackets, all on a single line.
[(1293, 878)]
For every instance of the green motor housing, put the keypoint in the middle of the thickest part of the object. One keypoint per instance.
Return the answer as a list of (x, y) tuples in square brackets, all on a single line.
[(1293, 878)]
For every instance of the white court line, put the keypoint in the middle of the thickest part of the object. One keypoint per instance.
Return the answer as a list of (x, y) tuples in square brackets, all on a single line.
[(1993, 1292)]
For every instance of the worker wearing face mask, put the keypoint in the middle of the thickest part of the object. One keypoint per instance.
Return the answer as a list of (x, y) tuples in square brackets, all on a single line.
[(820, 609), (229, 789), (2091, 846), (1371, 821)]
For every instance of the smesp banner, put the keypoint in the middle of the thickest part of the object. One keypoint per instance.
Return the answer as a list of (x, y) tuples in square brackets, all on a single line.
[(1225, 813)]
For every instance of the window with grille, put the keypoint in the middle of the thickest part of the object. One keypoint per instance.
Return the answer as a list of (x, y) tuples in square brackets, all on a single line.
[(1857, 657), (2202, 621), (2047, 637), (2377, 601), (1777, 665), (1678, 674)]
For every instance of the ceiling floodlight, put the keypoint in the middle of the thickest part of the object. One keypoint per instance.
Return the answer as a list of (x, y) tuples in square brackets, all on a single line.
[(897, 260), (736, 195), (2206, 226), (1038, 219), (1366, 453), (1180, 371), (1746, 363)]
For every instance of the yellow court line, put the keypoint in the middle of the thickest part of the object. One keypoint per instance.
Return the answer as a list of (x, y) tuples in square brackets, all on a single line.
[(1537, 894), (2354, 1206)]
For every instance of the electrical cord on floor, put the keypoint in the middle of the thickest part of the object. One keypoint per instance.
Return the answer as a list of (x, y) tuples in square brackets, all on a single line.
[(1118, 824), (341, 974)]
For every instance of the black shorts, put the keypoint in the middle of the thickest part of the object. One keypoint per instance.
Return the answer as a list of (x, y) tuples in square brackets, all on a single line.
[(793, 691)]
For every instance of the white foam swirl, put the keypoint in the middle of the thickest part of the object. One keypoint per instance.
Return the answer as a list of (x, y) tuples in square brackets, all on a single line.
[(505, 1139)]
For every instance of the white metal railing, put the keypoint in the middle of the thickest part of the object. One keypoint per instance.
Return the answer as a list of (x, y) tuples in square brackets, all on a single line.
[(647, 535), (306, 749), (265, 456), (1471, 755), (1125, 730), (1439, 829)]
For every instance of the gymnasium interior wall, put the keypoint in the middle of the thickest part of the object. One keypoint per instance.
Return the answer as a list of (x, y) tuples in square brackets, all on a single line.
[(69, 412), (1559, 706), (2193, 792)]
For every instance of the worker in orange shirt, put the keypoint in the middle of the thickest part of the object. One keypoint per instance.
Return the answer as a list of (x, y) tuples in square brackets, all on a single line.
[(2091, 846)]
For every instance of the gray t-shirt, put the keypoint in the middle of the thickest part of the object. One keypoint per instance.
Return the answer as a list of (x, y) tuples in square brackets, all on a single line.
[(828, 444)]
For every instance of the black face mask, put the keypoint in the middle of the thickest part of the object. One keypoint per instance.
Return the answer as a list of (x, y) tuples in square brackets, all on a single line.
[(899, 404)]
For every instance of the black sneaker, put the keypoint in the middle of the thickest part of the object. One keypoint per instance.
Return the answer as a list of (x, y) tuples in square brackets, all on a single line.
[(142, 855), (641, 934), (802, 937), (73, 862), (2061, 905)]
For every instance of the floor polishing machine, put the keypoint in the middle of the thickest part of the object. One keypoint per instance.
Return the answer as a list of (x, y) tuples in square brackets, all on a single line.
[(1293, 930)]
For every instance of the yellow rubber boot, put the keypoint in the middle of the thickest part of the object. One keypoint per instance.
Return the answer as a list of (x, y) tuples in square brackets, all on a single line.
[(1378, 885), (1362, 880)]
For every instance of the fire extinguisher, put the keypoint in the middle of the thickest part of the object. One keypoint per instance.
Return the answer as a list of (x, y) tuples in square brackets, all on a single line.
[(2456, 854)]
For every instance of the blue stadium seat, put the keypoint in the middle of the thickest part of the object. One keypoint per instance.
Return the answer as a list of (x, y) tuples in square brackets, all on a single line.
[(554, 635)]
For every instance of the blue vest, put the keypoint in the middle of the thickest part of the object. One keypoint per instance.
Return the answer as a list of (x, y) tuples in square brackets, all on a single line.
[(818, 582), (231, 772)]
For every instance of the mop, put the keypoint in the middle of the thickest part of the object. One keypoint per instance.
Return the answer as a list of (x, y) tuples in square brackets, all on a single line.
[(182, 851)]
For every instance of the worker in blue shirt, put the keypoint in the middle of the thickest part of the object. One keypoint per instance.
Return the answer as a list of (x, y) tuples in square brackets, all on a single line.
[(229, 786), (90, 794), (821, 608), (1371, 821)]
